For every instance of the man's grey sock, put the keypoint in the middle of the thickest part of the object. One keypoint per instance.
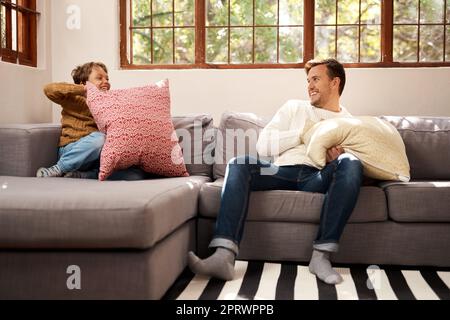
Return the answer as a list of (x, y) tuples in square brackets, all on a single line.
[(320, 265), (220, 265)]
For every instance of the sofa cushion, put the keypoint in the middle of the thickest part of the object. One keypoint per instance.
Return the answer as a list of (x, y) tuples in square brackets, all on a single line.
[(427, 145), (424, 201), (294, 206), (139, 130), (374, 141), (237, 136), (197, 136), (57, 213)]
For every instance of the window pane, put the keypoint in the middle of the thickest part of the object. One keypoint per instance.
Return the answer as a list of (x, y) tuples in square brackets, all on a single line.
[(405, 43), (162, 46), (3, 27), (217, 45), (291, 45), (14, 29), (216, 13), (431, 43), (432, 11), (266, 45), (141, 46), (141, 13), (347, 44), (371, 11), (348, 11), (325, 12), (447, 45), (291, 12), (184, 12), (241, 45), (266, 12), (370, 44), (325, 42), (241, 12), (406, 11), (162, 13), (185, 45), (448, 11)]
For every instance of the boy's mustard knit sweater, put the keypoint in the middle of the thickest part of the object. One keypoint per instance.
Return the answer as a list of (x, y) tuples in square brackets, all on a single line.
[(77, 121)]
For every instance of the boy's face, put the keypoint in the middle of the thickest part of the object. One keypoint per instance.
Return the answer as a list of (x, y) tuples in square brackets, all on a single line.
[(99, 78)]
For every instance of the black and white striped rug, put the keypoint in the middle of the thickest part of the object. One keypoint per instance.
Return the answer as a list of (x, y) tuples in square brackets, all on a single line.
[(290, 281)]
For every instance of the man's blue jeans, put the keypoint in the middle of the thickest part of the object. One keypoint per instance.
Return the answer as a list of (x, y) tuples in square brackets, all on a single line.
[(84, 155), (340, 181)]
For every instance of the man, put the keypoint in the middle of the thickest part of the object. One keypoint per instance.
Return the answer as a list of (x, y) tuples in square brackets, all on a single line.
[(339, 180)]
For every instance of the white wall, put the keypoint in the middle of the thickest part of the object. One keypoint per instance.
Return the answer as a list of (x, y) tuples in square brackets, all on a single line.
[(418, 91), (21, 96)]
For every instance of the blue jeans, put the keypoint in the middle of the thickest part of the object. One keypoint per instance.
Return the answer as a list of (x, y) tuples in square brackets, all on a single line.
[(340, 181), (84, 155)]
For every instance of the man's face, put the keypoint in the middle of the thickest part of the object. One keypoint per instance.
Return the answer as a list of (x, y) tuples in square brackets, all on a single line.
[(320, 86)]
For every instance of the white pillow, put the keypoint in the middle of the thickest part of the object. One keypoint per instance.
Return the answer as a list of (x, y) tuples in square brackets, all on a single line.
[(375, 142)]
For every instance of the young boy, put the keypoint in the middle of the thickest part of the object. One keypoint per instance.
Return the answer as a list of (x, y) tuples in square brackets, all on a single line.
[(80, 143)]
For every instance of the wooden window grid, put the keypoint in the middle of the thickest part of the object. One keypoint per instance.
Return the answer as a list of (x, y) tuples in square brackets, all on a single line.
[(24, 14), (386, 45)]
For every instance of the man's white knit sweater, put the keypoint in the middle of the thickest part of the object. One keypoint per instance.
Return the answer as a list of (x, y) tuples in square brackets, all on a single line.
[(282, 137)]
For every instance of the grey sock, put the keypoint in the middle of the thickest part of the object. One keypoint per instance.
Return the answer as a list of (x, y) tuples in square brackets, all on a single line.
[(52, 172), (320, 265), (219, 265)]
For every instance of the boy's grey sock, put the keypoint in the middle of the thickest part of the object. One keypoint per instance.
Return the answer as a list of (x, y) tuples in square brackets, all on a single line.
[(220, 265), (320, 265), (51, 172)]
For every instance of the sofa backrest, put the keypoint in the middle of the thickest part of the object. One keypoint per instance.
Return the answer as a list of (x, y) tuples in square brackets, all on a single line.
[(25, 148), (427, 142), (196, 135), (236, 136)]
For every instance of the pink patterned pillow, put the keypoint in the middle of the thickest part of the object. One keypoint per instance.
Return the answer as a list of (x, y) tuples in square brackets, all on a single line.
[(139, 130)]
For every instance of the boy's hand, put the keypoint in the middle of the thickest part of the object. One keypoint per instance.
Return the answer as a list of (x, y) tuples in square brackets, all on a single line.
[(334, 153), (85, 88)]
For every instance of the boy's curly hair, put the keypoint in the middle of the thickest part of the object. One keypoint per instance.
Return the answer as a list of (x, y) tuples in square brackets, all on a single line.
[(81, 73)]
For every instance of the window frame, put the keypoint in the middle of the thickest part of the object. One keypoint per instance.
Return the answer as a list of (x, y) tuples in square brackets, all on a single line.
[(26, 33), (386, 45)]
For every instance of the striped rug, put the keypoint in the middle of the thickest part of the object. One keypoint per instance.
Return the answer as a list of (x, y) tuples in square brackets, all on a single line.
[(290, 281)]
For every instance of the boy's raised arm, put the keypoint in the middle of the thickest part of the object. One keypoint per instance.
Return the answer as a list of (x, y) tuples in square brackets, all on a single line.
[(62, 92)]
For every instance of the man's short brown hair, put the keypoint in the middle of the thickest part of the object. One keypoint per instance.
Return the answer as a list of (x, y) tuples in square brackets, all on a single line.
[(81, 73), (334, 67)]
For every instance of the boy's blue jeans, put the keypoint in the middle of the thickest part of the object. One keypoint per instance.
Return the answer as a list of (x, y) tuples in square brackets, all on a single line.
[(340, 181), (84, 155)]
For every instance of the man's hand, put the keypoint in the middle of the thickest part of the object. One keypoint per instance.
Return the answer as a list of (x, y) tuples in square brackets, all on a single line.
[(334, 153)]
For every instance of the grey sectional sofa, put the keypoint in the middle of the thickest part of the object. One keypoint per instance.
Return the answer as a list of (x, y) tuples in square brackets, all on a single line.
[(130, 238)]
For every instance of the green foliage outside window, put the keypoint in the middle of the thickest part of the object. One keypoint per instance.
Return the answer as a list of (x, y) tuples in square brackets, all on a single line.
[(264, 33)]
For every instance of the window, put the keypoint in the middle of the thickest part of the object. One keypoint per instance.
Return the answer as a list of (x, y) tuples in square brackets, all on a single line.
[(18, 20), (349, 30), (283, 33), (421, 31)]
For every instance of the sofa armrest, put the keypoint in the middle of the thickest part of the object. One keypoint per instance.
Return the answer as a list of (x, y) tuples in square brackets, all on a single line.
[(25, 148)]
